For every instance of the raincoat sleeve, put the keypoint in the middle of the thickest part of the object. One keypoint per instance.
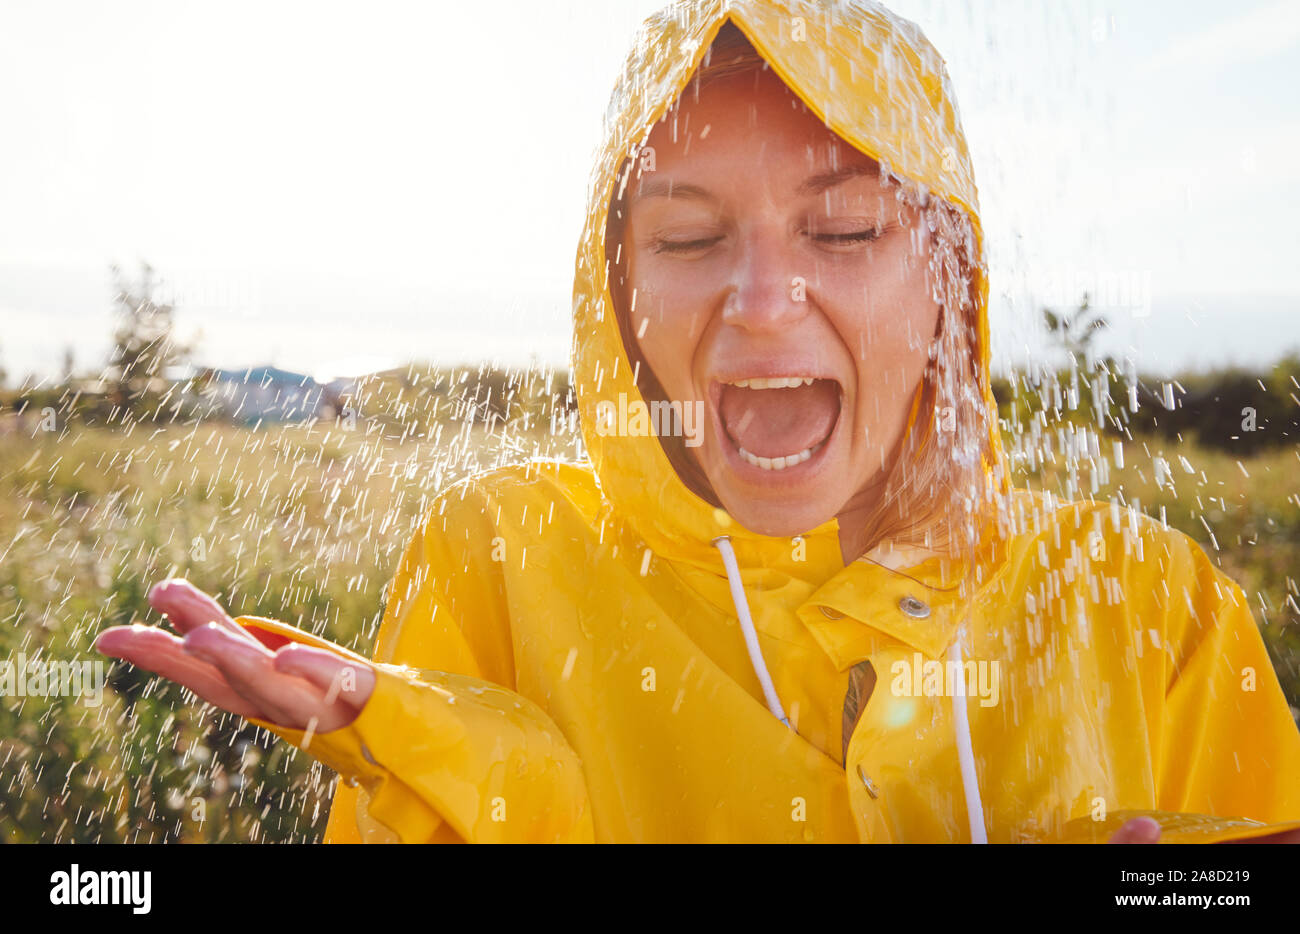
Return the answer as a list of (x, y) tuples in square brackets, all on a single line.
[(1227, 740), (443, 751), (1224, 747)]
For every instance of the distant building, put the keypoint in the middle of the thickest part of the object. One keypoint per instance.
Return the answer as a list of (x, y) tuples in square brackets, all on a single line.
[(266, 394)]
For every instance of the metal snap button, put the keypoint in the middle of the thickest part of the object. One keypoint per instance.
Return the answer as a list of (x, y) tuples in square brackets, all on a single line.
[(871, 788), (830, 614), (914, 607)]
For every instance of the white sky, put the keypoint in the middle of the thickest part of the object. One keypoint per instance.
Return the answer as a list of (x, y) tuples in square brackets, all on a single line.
[(334, 187)]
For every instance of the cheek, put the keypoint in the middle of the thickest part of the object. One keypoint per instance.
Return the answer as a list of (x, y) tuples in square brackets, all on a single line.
[(888, 323), (889, 331), (887, 379), (668, 322), (667, 293)]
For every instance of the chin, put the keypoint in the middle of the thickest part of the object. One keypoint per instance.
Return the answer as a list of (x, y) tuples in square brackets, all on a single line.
[(781, 504), (775, 520)]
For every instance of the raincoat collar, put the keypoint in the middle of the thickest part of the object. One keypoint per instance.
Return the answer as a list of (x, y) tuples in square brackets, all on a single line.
[(866, 605)]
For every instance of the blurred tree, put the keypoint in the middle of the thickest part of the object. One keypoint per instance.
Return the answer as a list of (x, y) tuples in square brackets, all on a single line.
[(1074, 331), (143, 343)]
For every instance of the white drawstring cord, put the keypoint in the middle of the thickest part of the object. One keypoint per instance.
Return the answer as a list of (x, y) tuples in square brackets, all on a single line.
[(723, 544), (965, 749)]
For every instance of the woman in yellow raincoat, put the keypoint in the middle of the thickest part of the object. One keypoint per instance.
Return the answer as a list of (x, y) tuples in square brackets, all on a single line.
[(792, 595)]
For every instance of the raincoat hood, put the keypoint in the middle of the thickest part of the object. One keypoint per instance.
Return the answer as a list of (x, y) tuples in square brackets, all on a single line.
[(873, 79)]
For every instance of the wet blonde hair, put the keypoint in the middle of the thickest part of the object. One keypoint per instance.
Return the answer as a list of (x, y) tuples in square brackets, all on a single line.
[(934, 487)]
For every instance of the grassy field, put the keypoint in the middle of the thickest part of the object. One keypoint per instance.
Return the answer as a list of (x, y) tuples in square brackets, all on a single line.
[(305, 524), (302, 524)]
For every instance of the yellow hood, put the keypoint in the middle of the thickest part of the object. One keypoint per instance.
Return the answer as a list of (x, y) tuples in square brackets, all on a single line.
[(874, 79), (564, 657)]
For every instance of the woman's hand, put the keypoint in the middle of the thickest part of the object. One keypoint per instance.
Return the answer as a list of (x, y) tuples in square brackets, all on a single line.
[(1137, 830), (1147, 830), (298, 686)]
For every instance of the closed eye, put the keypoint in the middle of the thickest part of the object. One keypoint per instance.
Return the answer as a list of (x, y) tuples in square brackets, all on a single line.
[(852, 236), (841, 240), (686, 246)]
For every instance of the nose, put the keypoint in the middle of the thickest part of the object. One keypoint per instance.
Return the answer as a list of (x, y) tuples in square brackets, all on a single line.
[(767, 291)]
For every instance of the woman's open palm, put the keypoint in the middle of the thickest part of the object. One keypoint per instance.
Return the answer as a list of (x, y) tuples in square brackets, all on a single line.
[(297, 686)]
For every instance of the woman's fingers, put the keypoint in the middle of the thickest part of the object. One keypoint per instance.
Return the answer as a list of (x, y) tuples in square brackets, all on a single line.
[(247, 668), (222, 663), (301, 687), (1138, 830), (186, 607), (164, 654), (288, 700), (340, 678)]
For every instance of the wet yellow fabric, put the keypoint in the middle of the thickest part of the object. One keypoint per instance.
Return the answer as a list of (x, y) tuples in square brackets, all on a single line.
[(561, 659)]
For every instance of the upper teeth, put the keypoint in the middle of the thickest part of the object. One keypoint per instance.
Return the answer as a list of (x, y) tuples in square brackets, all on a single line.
[(776, 382)]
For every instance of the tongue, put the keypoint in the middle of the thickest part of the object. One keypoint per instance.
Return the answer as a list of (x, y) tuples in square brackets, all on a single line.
[(777, 422)]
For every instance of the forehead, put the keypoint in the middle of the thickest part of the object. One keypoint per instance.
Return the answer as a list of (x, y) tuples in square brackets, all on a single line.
[(751, 119), (753, 112)]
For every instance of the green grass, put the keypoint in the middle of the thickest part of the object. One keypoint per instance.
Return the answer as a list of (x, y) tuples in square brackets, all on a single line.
[(306, 525), (301, 524)]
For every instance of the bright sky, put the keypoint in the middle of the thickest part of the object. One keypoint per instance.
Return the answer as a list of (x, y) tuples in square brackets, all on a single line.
[(338, 187)]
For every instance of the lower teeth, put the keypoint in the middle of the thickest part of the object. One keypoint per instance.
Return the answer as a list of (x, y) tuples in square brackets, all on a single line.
[(778, 463)]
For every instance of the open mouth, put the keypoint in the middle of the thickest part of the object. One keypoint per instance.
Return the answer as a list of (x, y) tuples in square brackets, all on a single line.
[(777, 423)]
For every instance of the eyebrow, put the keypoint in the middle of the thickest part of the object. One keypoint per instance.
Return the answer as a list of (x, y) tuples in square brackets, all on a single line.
[(667, 188), (816, 184), (813, 185)]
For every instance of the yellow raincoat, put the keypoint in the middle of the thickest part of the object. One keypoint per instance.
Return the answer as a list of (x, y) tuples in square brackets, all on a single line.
[(560, 658)]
